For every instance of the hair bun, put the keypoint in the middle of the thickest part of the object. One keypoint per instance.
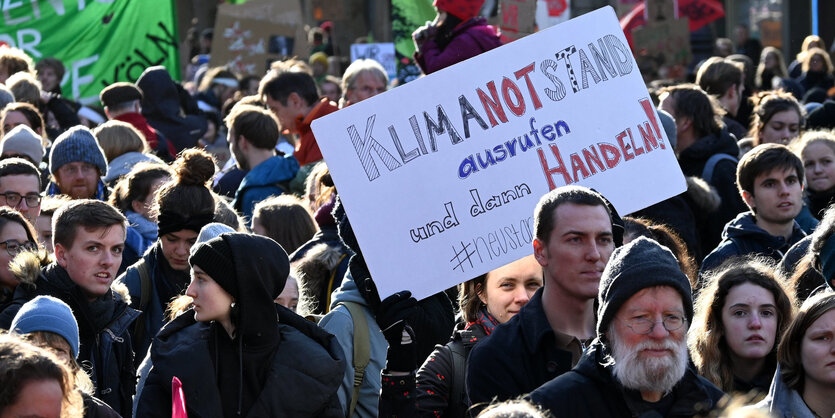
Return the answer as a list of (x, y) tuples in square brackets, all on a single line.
[(194, 167)]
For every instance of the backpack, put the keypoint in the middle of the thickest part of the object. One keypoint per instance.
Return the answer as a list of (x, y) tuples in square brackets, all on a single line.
[(144, 295), (710, 165)]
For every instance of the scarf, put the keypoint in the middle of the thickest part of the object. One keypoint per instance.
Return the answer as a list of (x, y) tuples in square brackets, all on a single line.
[(148, 229), (173, 283), (485, 321)]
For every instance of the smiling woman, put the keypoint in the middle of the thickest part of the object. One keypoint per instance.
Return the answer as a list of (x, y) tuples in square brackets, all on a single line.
[(817, 150)]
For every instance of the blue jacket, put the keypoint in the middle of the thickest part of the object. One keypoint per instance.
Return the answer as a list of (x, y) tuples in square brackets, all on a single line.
[(339, 323), (742, 236), (262, 182)]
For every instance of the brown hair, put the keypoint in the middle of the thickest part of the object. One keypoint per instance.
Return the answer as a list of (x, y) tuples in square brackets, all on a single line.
[(83, 213), (188, 195), (706, 338), (717, 75), (788, 353), (286, 220), (15, 60), (319, 187), (136, 185), (31, 113), (21, 363), (807, 59), (689, 100), (258, 125), (764, 159), (25, 87), (544, 215), (116, 138), (468, 297), (769, 103)]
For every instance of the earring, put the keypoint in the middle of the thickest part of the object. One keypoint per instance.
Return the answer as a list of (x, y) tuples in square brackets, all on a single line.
[(232, 305)]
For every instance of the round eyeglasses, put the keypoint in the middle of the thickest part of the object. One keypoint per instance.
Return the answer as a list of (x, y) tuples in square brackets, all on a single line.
[(644, 325)]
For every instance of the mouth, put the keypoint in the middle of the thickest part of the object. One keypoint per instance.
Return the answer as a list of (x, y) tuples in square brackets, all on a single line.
[(755, 339), (656, 352), (785, 205), (103, 276)]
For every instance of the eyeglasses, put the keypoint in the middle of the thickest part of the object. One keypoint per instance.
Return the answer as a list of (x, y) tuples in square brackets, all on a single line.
[(14, 248), (13, 199), (643, 325)]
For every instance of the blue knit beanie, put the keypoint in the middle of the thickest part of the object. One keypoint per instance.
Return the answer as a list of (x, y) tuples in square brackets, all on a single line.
[(74, 145), (46, 313)]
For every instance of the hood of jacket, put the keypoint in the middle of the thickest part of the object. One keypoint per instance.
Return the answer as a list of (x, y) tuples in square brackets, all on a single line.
[(122, 164), (783, 401), (347, 292), (744, 226), (160, 97), (703, 194), (270, 172), (693, 158)]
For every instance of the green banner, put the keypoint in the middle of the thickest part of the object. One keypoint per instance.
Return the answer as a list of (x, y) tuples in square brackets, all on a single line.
[(99, 41)]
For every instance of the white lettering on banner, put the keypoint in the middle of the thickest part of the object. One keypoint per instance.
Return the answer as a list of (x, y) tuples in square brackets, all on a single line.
[(8, 6), (78, 80), (444, 172), (20, 41)]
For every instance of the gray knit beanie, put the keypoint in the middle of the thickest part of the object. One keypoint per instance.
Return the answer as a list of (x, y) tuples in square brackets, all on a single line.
[(640, 264), (22, 140), (77, 144)]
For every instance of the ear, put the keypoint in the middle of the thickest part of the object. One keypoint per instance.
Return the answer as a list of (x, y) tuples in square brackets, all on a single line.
[(61, 255), (107, 113), (732, 91), (481, 293), (137, 206), (684, 123), (295, 100), (540, 252), (749, 199)]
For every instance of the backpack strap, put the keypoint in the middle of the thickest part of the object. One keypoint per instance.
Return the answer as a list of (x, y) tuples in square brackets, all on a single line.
[(337, 272), (459, 370), (710, 165), (144, 295), (362, 349)]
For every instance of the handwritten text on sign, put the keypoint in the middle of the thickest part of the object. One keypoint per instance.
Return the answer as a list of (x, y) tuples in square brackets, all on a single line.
[(440, 176)]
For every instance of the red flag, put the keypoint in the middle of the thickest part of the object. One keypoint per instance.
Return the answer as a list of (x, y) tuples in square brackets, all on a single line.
[(178, 399), (699, 12)]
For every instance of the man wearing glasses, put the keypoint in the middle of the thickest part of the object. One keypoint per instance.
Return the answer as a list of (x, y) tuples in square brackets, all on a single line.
[(637, 365), (20, 185), (77, 164)]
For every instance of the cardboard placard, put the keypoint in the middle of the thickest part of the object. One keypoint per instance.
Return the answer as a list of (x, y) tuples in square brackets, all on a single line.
[(380, 52), (440, 176), (668, 41), (517, 18)]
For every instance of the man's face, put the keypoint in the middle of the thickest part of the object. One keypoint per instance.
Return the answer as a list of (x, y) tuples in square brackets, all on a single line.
[(579, 247), (235, 149), (367, 84), (24, 185), (77, 180), (49, 80), (655, 361), (93, 258), (286, 114), (777, 197)]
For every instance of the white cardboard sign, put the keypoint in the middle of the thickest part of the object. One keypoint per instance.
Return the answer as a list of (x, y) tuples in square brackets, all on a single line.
[(440, 176)]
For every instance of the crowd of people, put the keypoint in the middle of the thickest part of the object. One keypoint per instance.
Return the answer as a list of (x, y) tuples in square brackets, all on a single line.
[(186, 251)]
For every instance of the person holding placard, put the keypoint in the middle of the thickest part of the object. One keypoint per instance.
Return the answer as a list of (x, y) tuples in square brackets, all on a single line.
[(574, 240), (456, 34)]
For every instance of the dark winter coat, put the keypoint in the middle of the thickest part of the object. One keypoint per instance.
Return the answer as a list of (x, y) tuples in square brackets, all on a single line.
[(823, 117), (517, 358), (469, 39), (692, 161), (742, 236), (438, 388), (322, 263), (153, 314), (163, 103), (105, 343), (302, 378), (590, 390)]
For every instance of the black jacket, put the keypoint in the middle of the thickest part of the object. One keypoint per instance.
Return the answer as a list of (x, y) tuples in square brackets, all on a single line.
[(742, 236), (692, 161), (590, 390), (169, 109), (517, 358), (105, 347), (302, 378)]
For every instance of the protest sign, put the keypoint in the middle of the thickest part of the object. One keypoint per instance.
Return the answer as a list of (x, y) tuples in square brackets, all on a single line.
[(99, 42), (667, 42), (440, 176), (552, 12), (381, 52), (517, 18)]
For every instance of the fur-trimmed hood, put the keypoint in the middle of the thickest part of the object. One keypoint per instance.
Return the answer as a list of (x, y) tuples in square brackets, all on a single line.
[(703, 194), (26, 267)]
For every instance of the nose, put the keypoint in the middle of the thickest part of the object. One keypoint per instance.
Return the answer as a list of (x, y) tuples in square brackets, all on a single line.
[(190, 290), (658, 330), (593, 253), (755, 322), (108, 258), (521, 297)]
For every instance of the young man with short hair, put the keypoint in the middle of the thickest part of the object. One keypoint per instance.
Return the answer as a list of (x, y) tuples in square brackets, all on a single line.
[(574, 240), (89, 239), (253, 134), (724, 79), (293, 98), (770, 179), (20, 185)]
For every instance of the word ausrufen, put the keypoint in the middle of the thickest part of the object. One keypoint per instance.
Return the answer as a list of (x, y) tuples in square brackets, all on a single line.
[(501, 101)]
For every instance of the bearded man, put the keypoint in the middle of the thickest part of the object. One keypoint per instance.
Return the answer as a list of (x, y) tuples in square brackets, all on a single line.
[(637, 365)]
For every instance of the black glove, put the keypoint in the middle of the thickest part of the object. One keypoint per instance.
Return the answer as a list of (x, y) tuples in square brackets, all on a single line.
[(391, 317)]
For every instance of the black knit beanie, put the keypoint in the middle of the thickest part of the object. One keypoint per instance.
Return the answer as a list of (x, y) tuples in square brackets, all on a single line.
[(215, 258), (640, 264)]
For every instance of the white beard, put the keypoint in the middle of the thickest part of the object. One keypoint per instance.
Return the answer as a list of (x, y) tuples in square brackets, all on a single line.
[(651, 374)]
